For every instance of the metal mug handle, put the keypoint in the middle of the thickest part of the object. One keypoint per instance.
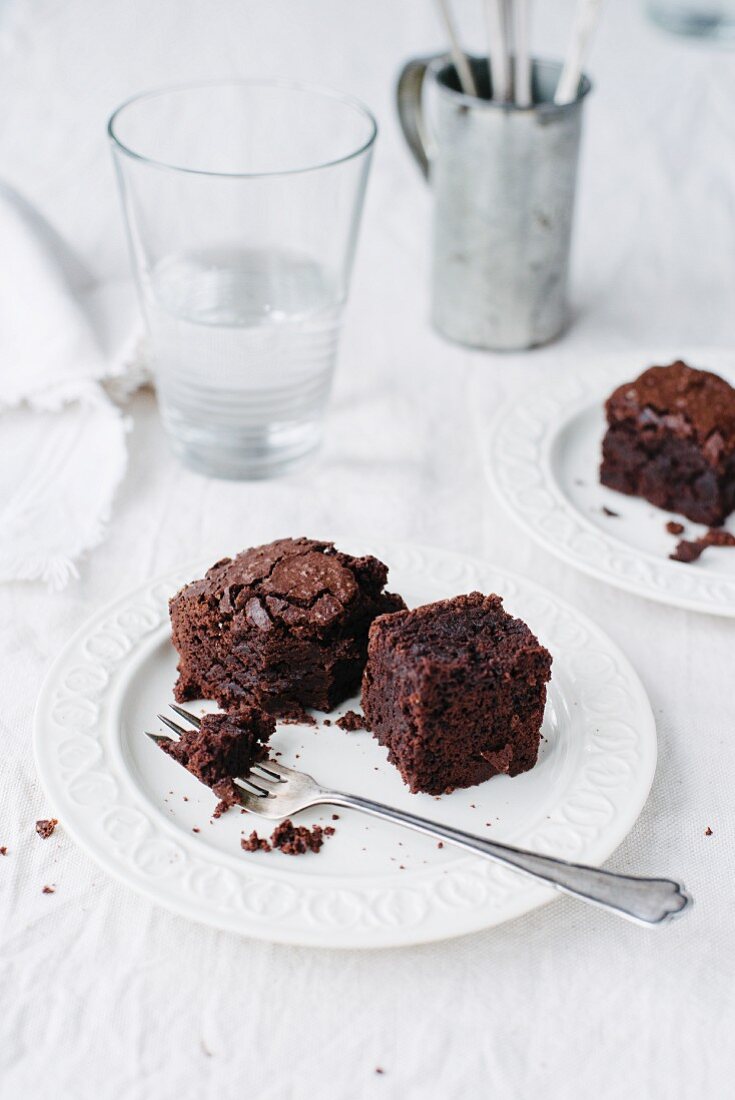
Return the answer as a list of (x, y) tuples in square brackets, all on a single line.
[(409, 92)]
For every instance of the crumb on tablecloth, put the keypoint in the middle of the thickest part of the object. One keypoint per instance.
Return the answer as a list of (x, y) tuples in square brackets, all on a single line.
[(45, 827), (675, 528), (708, 831), (3, 850), (49, 890), (609, 512)]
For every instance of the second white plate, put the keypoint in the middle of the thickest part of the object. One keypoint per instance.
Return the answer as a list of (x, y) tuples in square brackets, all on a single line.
[(543, 454)]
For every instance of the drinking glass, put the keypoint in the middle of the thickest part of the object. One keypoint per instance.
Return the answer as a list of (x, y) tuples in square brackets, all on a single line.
[(712, 19), (242, 201)]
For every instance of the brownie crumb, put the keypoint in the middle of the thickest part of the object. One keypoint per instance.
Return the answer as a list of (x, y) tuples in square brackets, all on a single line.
[(691, 550), (195, 830), (45, 828), (254, 843), (335, 817), (379, 1070), (352, 721), (49, 890), (609, 512), (708, 831), (440, 844), (675, 528), (229, 795), (3, 850), (300, 718), (327, 722), (292, 840), (687, 551)]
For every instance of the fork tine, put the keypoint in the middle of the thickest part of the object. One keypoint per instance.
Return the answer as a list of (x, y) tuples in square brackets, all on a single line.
[(279, 769), (159, 738), (171, 725), (250, 786), (271, 774), (186, 715)]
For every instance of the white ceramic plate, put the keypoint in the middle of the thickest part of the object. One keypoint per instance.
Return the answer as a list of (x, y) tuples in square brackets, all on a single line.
[(542, 453), (373, 884)]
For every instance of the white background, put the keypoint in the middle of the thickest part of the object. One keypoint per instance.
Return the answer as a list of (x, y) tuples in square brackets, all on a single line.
[(102, 995)]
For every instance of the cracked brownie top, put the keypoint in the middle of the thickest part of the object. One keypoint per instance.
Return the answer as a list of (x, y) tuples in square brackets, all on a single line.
[(301, 583), (693, 404)]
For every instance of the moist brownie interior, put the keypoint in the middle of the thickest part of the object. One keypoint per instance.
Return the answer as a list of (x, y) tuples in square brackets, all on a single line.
[(224, 746), (282, 626), (671, 440), (456, 691)]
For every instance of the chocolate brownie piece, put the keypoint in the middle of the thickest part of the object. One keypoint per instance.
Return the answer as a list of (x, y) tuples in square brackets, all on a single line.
[(671, 440), (456, 691), (224, 746), (282, 626)]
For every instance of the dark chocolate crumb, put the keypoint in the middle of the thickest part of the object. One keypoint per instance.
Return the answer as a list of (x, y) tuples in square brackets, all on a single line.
[(254, 843), (351, 720), (379, 1070), (675, 528), (440, 844), (687, 551), (45, 828), (609, 512), (3, 850), (49, 890), (295, 840), (329, 830), (708, 831), (229, 795), (327, 722), (195, 830), (335, 817)]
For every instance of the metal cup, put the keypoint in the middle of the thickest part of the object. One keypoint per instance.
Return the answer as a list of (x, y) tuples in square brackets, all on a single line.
[(503, 179)]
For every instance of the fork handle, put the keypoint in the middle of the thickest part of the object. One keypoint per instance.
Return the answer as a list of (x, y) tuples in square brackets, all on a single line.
[(648, 901)]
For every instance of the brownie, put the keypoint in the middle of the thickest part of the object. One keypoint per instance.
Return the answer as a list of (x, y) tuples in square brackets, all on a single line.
[(671, 440), (224, 746), (456, 692), (283, 626)]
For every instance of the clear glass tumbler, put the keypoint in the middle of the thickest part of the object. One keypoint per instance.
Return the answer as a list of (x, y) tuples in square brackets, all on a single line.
[(242, 201), (711, 19)]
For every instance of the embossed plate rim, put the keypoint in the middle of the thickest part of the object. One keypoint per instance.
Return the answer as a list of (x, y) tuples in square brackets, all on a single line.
[(361, 916)]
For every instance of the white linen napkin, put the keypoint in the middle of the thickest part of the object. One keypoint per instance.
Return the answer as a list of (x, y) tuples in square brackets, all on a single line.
[(66, 346)]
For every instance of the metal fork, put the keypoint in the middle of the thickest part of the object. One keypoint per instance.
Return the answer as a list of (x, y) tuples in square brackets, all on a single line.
[(274, 791)]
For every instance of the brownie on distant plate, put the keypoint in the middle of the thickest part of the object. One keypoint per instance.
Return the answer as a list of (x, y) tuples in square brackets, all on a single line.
[(224, 746), (282, 626), (671, 440), (456, 691)]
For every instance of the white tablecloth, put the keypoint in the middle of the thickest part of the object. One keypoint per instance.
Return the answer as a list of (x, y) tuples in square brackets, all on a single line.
[(102, 995)]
